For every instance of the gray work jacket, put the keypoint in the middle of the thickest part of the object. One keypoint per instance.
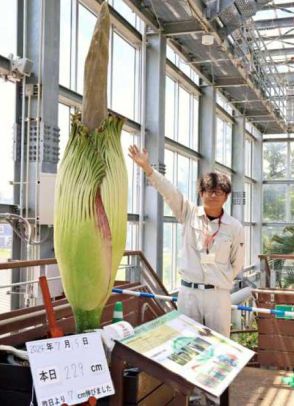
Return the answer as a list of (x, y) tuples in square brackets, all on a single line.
[(228, 245)]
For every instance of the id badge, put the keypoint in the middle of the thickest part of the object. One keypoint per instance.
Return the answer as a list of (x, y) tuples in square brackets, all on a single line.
[(207, 258)]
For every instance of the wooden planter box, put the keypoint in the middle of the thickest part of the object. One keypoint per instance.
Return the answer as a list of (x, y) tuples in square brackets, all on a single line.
[(275, 336)]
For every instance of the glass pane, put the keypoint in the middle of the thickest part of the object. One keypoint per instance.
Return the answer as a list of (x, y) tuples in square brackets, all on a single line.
[(184, 117), (169, 166), (275, 160), (248, 157), (194, 177), (291, 170), (283, 135), (267, 234), (279, 240), (127, 139), (125, 11), (248, 126), (265, 15), (8, 24), (64, 126), (183, 175), (65, 43), (219, 154), (169, 108), (195, 77), (195, 133), (7, 120), (170, 54), (291, 194), (167, 256), (228, 145), (184, 67), (5, 243), (247, 230), (123, 77), (228, 205), (219, 99), (132, 236), (247, 208), (274, 203), (87, 22), (177, 276), (222, 101)]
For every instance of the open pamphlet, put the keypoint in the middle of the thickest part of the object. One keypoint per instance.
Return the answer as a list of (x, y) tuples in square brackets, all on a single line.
[(203, 357)]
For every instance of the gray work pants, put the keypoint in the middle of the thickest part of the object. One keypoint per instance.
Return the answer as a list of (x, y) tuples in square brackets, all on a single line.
[(211, 307)]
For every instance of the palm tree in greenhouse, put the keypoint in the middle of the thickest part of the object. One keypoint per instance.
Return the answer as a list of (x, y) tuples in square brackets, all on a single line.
[(282, 244)]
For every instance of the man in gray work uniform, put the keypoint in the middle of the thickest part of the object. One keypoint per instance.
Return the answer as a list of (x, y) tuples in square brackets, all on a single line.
[(213, 246)]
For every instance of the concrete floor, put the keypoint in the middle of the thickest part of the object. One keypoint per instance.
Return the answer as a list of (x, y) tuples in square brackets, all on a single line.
[(261, 387)]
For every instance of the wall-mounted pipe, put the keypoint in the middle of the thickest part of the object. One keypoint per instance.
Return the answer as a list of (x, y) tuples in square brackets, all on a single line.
[(241, 296)]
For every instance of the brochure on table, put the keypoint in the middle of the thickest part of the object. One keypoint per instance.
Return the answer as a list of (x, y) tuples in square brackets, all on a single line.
[(191, 350)]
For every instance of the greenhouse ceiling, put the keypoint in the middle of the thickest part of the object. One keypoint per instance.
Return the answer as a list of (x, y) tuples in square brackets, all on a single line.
[(245, 48)]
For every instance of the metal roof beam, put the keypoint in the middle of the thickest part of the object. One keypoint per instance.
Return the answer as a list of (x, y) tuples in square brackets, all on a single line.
[(276, 23), (230, 82), (212, 60), (214, 9), (278, 6), (246, 101), (182, 28), (267, 120), (198, 8), (282, 37), (288, 76), (279, 52), (262, 115), (281, 62)]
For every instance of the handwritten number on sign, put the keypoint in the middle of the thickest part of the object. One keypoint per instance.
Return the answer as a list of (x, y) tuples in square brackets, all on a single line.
[(74, 370)]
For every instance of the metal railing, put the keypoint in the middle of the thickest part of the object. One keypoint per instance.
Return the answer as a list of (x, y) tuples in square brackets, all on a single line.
[(134, 268)]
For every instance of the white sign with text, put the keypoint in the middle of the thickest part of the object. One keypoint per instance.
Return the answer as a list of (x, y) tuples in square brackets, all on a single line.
[(69, 369)]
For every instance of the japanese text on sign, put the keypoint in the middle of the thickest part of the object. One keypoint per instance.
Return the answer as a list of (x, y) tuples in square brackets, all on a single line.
[(69, 369)]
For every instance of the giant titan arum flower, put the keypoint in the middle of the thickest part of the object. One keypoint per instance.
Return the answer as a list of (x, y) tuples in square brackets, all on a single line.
[(91, 193)]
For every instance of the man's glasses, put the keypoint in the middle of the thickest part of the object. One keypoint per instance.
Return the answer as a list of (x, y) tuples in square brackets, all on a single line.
[(215, 192)]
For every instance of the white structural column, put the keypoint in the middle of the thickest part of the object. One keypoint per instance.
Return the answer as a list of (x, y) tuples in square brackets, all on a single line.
[(238, 188), (257, 200), (207, 129), (154, 141), (238, 166)]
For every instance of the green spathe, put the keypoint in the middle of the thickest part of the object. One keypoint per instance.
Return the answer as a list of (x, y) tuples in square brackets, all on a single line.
[(91, 217)]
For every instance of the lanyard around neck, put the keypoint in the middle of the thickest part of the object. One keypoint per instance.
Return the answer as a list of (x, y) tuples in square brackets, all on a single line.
[(209, 239)]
